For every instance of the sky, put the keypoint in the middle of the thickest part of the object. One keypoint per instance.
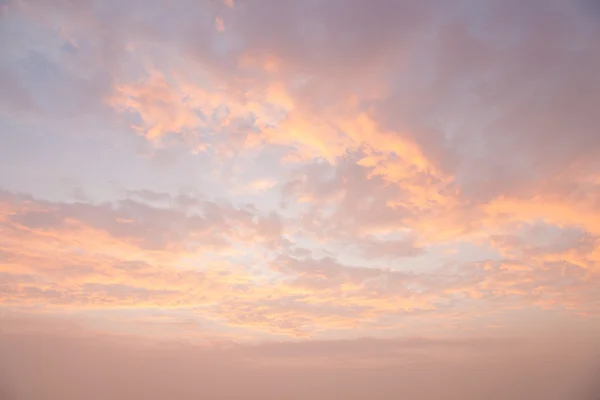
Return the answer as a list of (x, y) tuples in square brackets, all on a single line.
[(299, 199)]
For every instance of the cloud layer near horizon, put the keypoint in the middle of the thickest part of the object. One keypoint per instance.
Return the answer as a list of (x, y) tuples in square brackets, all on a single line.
[(263, 178)]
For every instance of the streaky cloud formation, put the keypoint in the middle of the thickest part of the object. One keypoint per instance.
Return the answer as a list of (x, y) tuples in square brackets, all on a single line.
[(299, 199)]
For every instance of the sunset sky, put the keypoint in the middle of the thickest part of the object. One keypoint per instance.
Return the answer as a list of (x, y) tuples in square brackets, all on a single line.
[(299, 199)]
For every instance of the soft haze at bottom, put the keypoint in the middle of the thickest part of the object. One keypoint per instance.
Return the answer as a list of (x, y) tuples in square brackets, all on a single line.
[(63, 366)]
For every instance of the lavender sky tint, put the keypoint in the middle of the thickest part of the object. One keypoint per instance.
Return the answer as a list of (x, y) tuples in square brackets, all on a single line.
[(299, 199)]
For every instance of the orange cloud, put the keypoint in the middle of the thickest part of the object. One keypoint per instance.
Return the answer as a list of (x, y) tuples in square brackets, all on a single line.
[(57, 256), (554, 211), (159, 105), (388, 153)]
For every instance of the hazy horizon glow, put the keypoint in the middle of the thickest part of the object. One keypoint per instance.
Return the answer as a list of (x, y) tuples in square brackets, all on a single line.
[(377, 198)]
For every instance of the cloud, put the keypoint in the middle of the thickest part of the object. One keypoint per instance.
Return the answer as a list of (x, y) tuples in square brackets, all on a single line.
[(77, 255), (391, 248), (219, 24), (157, 105), (134, 255), (151, 227), (410, 172), (317, 104)]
